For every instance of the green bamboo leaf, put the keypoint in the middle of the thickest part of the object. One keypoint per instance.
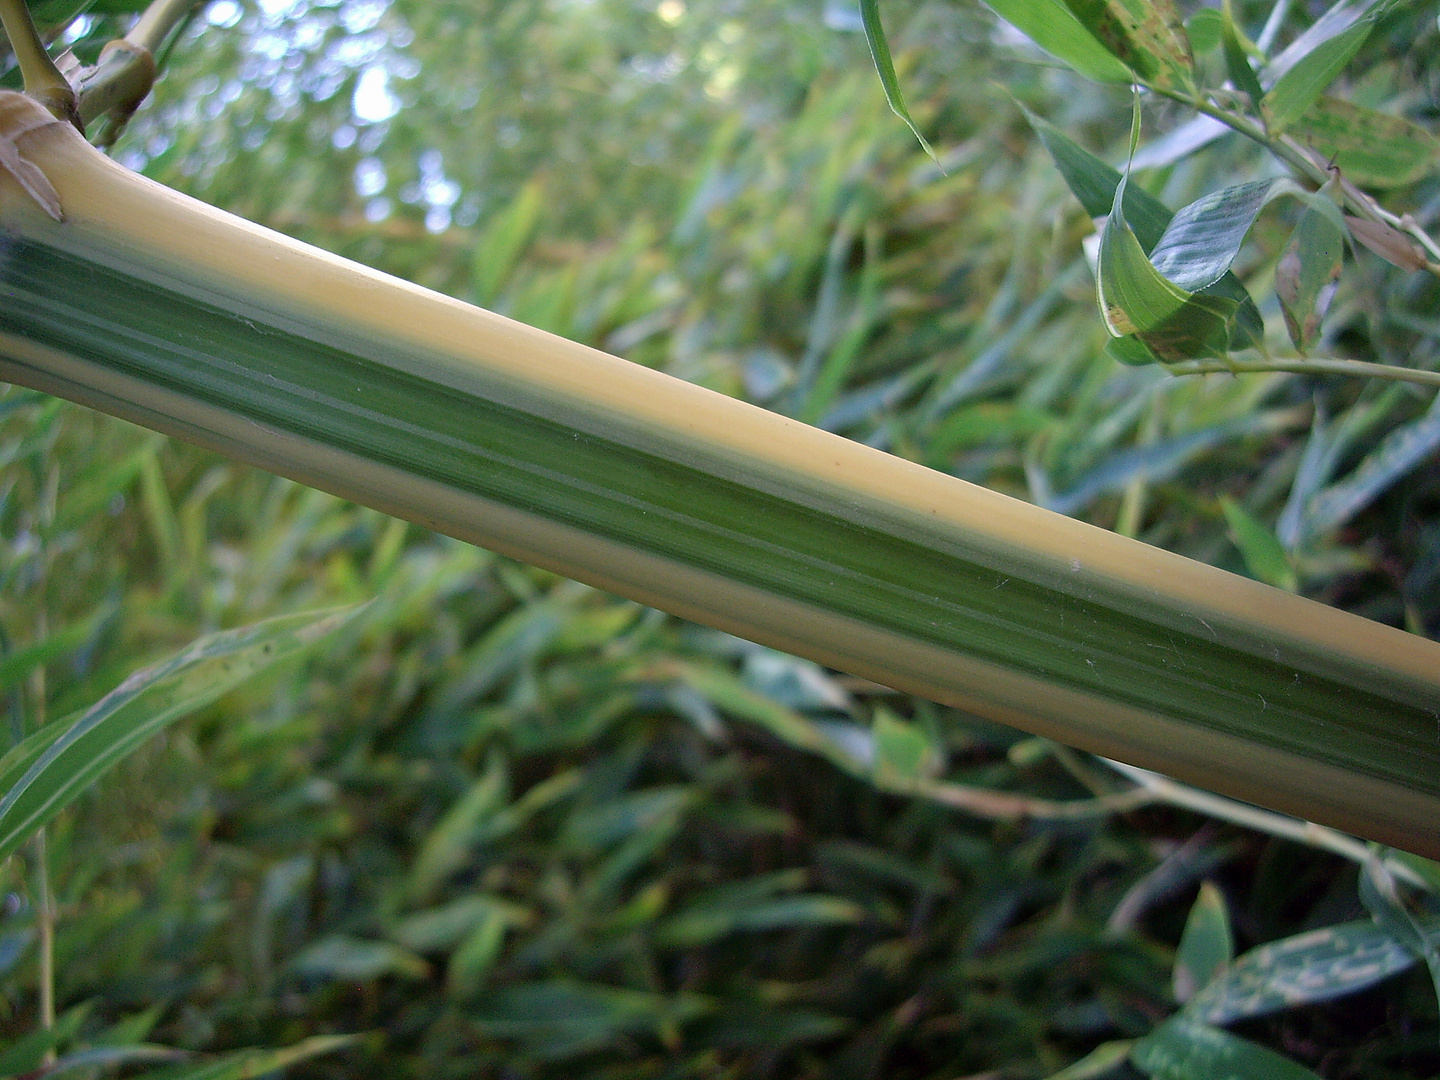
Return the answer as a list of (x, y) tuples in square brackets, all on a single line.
[(16, 666), (1264, 555), (348, 959), (1135, 298), (904, 753), (28, 1051), (1204, 28), (1238, 50), (1370, 148), (1305, 969), (439, 929), (1181, 1049), (466, 972), (54, 772), (1206, 946), (1052, 26), (752, 905), (1299, 75), (1203, 238), (446, 845), (560, 1018), (1307, 271), (1101, 1061), (504, 239), (1147, 36), (885, 66), (1380, 893), (1095, 184), (245, 1064), (1400, 451)]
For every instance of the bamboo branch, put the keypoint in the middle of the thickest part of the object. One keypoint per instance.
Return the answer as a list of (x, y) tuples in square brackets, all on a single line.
[(43, 80), (1309, 366)]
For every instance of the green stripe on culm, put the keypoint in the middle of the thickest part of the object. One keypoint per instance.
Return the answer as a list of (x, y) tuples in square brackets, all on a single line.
[(519, 447)]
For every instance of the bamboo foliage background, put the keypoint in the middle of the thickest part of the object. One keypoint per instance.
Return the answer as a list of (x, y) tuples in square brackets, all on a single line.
[(859, 361)]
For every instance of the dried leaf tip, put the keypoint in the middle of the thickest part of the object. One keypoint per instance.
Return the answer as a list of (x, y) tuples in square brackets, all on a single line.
[(18, 116)]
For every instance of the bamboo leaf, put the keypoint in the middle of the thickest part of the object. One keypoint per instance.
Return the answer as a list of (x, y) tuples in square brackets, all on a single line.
[(1264, 556), (1306, 273), (1380, 894), (1206, 947), (1301, 86), (1389, 243), (348, 959), (54, 772), (1103, 1060), (1137, 299), (1203, 238), (885, 66), (1052, 26), (448, 843), (1180, 1049), (1095, 184), (477, 954), (1147, 36), (1299, 75), (1312, 967), (561, 1018), (1399, 452), (1238, 50), (1372, 149), (244, 1064)]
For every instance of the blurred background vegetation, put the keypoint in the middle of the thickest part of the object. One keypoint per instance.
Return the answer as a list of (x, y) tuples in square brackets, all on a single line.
[(508, 826)]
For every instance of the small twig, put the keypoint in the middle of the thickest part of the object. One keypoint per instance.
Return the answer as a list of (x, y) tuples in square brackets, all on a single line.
[(43, 80), (1252, 817), (126, 72), (1356, 368)]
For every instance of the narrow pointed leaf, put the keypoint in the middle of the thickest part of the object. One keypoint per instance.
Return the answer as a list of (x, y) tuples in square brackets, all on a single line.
[(1203, 238), (1303, 84), (1147, 36), (246, 1064), (1094, 184), (1103, 1060), (1135, 298), (885, 66), (52, 777), (1372, 149), (1183, 1050), (1264, 556), (1052, 26), (1305, 969), (1206, 947), (1237, 56), (1306, 273), (1400, 451)]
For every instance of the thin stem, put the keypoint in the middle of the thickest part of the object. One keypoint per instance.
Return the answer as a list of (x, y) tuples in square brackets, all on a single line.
[(1252, 817), (44, 906), (1356, 368), (45, 924), (43, 80), (159, 19), (126, 72)]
